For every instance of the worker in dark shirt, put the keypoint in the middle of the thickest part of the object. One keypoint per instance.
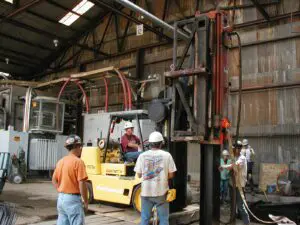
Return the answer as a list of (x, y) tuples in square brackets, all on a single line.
[(131, 144)]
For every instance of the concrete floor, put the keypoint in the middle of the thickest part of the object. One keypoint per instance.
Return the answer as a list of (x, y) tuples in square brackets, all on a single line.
[(36, 202)]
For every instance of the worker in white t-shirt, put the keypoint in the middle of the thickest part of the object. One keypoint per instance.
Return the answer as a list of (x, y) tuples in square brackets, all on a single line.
[(240, 172), (155, 167)]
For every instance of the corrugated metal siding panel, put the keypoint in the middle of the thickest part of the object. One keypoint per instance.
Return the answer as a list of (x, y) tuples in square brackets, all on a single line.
[(283, 149), (268, 107), (43, 154)]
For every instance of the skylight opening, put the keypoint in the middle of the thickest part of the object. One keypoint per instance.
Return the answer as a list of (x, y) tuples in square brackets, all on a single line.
[(10, 1), (80, 9)]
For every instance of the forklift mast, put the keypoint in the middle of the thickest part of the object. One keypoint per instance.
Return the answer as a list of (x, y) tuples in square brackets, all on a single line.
[(196, 102)]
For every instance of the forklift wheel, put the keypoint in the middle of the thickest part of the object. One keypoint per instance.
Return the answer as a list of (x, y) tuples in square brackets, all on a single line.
[(90, 192), (136, 198)]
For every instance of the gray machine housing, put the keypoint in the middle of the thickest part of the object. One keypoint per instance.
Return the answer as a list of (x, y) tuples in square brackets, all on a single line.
[(96, 126)]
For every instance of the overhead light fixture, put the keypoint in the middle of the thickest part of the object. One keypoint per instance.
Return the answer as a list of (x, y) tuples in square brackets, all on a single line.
[(55, 42), (7, 60), (10, 1), (81, 8)]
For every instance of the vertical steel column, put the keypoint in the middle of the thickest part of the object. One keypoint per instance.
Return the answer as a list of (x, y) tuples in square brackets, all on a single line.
[(179, 152), (209, 185)]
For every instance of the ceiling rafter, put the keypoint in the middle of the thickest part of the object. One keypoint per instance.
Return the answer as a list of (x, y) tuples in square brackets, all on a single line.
[(35, 45), (50, 20), (47, 34), (20, 10), (72, 41), (20, 53), (121, 13)]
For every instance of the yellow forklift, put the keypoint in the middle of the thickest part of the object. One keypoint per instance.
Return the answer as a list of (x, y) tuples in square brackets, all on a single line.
[(110, 178)]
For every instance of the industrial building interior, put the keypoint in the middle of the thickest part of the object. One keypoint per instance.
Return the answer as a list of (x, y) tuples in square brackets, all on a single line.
[(205, 73)]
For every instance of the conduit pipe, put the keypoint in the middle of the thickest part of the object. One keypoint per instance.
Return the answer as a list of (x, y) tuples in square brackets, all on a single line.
[(151, 17)]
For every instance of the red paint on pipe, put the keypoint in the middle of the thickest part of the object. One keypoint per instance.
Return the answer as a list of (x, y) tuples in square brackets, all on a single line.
[(79, 86), (87, 105), (63, 88), (124, 88), (128, 93), (106, 94)]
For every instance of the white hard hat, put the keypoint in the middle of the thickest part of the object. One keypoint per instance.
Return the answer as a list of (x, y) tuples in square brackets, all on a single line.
[(155, 137), (128, 125), (225, 152), (243, 152), (245, 142), (239, 143)]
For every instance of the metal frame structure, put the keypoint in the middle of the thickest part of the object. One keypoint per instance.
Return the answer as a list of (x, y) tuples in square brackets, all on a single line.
[(108, 10)]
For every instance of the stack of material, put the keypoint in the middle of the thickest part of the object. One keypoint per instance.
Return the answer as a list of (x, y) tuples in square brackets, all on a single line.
[(268, 174)]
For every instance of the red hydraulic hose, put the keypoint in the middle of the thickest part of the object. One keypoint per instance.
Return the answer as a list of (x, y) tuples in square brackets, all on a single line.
[(128, 93), (106, 94), (87, 105), (124, 88), (63, 88)]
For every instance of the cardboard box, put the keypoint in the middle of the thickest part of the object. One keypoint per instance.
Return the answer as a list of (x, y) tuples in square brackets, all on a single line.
[(268, 174)]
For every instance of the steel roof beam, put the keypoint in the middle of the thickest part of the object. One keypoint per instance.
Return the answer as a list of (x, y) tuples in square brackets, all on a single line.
[(13, 62), (21, 53), (152, 18), (20, 10), (15, 58), (72, 41), (115, 10), (25, 42), (47, 34), (261, 9), (43, 17)]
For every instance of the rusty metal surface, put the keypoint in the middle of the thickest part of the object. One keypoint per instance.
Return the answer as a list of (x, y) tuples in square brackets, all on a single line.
[(186, 72)]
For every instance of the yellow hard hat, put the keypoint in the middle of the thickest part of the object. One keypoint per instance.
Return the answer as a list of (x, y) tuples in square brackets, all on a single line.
[(171, 195)]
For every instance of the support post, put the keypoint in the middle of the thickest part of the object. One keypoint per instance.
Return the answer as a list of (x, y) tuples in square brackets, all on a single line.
[(209, 185)]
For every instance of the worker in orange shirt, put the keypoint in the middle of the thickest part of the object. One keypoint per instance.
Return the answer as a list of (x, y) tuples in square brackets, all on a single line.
[(69, 179)]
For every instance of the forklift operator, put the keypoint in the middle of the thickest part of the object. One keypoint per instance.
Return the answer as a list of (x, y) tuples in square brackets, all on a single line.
[(130, 143)]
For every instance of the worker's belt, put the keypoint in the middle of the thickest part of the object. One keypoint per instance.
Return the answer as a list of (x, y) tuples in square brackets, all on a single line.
[(71, 193)]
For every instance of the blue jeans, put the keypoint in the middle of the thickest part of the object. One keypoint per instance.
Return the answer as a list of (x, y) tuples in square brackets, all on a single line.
[(162, 209), (224, 190), (241, 208), (132, 156), (70, 210)]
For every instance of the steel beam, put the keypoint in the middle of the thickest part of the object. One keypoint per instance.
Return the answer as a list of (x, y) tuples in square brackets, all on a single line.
[(115, 10), (151, 17), (21, 53), (50, 20), (20, 10), (261, 9), (72, 41), (18, 59), (263, 21), (48, 34), (25, 42), (13, 62), (99, 45)]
